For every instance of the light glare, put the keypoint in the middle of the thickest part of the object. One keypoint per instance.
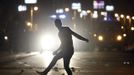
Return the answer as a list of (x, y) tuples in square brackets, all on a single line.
[(47, 42)]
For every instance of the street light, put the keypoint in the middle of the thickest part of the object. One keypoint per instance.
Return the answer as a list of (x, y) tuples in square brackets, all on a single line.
[(100, 38), (59, 11), (29, 24), (95, 14), (83, 13), (32, 15), (53, 16), (36, 8), (75, 7), (133, 18), (6, 37), (94, 35), (104, 13), (31, 2), (116, 15), (129, 19), (132, 28), (119, 38), (88, 11), (122, 27), (124, 35), (79, 10), (67, 9), (62, 16), (122, 16)]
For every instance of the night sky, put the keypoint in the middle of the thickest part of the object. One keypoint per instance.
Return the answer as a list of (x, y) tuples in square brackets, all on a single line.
[(125, 6), (10, 6)]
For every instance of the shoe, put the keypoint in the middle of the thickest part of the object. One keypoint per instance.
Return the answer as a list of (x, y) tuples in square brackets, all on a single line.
[(40, 73)]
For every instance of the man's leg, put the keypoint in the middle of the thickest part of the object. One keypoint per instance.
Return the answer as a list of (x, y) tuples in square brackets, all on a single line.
[(53, 62), (66, 65)]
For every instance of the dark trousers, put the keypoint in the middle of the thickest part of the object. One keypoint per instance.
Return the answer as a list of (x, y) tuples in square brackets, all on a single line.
[(66, 58)]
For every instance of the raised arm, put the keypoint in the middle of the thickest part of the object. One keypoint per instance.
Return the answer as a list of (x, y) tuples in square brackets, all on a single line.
[(78, 36)]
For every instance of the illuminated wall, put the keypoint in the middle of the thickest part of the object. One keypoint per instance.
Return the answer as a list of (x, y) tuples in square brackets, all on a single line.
[(98, 4)]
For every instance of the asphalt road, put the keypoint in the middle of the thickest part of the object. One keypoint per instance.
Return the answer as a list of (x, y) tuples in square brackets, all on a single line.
[(82, 63)]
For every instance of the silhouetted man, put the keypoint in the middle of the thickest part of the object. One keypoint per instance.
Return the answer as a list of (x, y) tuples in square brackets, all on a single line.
[(66, 49)]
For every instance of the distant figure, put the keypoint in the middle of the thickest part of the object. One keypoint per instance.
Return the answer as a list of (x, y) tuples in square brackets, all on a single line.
[(66, 49)]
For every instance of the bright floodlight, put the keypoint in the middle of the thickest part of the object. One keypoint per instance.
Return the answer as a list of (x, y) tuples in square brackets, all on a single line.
[(48, 42), (22, 8), (30, 1), (46, 57)]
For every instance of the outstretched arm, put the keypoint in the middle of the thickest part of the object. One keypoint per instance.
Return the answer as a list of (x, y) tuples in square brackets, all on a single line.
[(79, 36)]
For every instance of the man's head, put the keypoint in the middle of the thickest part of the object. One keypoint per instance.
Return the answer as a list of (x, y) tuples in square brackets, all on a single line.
[(58, 23)]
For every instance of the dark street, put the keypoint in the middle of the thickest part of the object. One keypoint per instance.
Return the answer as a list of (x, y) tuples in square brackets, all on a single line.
[(82, 63)]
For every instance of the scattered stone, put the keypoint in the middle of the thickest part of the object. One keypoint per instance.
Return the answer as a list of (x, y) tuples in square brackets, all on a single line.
[(62, 74), (73, 69), (56, 69)]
